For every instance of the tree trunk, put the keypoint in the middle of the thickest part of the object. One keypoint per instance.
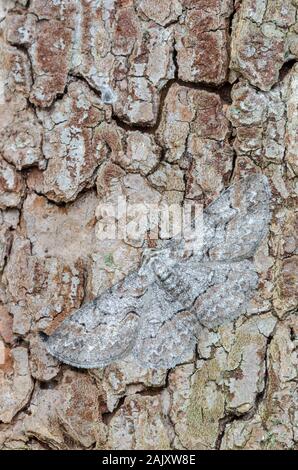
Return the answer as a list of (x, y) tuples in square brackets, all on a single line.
[(161, 102)]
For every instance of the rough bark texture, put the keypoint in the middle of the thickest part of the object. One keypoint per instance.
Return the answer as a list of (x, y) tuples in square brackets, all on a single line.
[(170, 101)]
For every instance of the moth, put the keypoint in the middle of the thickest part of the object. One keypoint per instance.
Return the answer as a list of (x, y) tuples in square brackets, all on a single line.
[(155, 312)]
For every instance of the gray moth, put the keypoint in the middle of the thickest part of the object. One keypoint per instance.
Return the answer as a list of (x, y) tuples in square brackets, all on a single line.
[(155, 312)]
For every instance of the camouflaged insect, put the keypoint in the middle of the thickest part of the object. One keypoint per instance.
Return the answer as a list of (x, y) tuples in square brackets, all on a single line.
[(155, 312)]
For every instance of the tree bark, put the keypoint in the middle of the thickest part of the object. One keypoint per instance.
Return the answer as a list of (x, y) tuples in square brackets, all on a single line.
[(164, 102)]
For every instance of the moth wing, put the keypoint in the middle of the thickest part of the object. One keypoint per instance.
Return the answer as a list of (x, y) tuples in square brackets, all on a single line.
[(101, 331), (233, 225), (167, 333), (228, 294), (237, 221), (164, 345)]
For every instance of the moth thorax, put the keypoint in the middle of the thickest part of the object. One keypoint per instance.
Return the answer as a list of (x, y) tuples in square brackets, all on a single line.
[(163, 271)]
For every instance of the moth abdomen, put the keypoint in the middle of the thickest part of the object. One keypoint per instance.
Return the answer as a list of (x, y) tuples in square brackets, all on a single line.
[(174, 284)]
